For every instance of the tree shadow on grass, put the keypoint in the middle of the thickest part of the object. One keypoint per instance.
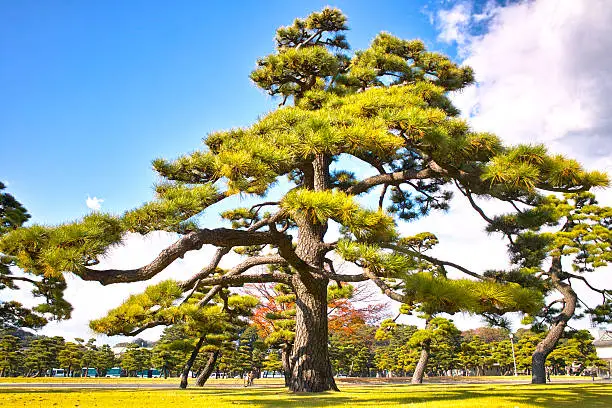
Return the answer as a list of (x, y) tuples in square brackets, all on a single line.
[(592, 396), (596, 395)]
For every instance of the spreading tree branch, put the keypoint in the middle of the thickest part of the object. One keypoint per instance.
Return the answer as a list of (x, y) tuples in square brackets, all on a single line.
[(436, 261), (147, 326), (207, 270), (238, 280), (192, 241), (382, 285), (604, 292), (392, 179), (19, 278), (381, 199), (466, 192), (360, 277), (274, 218)]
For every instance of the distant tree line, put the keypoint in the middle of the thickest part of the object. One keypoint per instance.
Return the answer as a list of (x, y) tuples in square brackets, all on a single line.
[(357, 349)]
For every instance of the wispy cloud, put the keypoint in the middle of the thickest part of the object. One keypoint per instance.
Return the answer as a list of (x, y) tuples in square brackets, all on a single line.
[(454, 23), (544, 75), (94, 203)]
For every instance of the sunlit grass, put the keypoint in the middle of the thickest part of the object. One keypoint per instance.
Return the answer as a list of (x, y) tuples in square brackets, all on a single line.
[(126, 380), (279, 381), (431, 396)]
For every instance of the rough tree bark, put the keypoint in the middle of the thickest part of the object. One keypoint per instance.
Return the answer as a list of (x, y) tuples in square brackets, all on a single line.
[(419, 370), (189, 363), (544, 347), (310, 365), (311, 368), (208, 369)]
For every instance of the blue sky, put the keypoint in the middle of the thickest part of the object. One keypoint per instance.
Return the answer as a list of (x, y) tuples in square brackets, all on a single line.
[(93, 91)]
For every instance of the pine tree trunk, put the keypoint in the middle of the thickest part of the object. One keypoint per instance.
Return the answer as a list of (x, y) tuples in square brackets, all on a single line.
[(549, 342), (419, 370), (311, 368), (189, 363), (310, 365), (208, 369), (286, 361)]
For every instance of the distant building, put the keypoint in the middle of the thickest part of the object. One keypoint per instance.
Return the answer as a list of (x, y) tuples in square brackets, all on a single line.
[(603, 345)]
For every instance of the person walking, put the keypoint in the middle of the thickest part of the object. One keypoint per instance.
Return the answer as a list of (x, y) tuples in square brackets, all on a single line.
[(248, 381)]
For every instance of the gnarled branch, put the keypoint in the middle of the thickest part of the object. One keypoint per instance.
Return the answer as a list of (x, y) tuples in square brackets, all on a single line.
[(606, 293), (237, 280), (19, 278), (382, 285), (436, 261), (195, 240), (147, 326), (392, 179), (360, 277), (210, 268)]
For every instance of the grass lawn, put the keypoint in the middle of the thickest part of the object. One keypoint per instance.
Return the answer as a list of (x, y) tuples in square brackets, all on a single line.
[(430, 396), (128, 380), (279, 381)]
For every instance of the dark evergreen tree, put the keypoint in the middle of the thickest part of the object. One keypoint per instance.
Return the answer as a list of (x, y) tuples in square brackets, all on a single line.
[(12, 313), (11, 355)]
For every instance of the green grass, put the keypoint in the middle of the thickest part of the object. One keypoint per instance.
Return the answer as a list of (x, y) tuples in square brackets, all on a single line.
[(126, 380), (430, 396), (279, 381)]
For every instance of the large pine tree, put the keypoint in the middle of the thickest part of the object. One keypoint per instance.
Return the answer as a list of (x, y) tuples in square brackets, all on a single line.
[(384, 110)]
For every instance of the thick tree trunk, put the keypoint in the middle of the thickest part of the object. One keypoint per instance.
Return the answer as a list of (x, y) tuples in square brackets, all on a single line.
[(286, 361), (549, 342), (419, 370), (208, 369), (189, 363), (311, 368)]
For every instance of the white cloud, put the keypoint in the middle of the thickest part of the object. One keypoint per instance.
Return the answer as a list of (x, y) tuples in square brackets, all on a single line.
[(454, 23), (94, 203), (544, 75), (543, 71)]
